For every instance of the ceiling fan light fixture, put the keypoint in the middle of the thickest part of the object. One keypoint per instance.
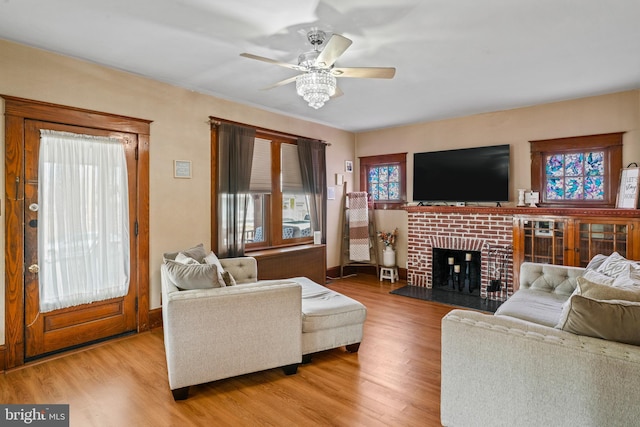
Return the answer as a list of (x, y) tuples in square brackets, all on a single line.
[(316, 87)]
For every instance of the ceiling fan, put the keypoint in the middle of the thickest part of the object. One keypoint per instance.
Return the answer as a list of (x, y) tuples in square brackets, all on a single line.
[(317, 83)]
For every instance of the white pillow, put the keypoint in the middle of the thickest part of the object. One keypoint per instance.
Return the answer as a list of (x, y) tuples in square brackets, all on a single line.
[(184, 259), (212, 259), (614, 266), (626, 282), (596, 277), (596, 262)]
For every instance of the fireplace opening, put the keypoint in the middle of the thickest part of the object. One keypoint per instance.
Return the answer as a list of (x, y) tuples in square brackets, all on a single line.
[(456, 271)]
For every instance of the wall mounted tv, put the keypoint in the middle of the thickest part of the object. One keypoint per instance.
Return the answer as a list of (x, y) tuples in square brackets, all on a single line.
[(479, 174)]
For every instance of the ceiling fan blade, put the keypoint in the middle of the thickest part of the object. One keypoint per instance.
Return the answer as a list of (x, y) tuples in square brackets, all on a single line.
[(272, 61), (281, 83), (335, 47), (365, 72), (338, 93)]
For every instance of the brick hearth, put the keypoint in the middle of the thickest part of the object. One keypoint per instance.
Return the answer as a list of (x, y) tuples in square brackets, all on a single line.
[(459, 230)]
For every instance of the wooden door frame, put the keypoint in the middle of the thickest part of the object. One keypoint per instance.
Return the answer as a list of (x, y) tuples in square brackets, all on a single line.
[(17, 111)]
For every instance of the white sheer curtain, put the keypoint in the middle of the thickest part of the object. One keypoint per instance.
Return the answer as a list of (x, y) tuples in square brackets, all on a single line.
[(83, 219)]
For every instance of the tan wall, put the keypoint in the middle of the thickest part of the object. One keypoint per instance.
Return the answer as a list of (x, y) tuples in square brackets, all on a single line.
[(179, 208), (619, 112)]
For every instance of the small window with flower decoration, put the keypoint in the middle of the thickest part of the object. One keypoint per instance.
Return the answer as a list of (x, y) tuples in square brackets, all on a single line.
[(384, 178), (577, 171)]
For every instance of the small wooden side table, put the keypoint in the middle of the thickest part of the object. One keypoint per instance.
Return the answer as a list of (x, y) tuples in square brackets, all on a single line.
[(389, 273)]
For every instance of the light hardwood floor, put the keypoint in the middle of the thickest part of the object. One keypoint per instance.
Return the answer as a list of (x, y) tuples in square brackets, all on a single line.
[(394, 380)]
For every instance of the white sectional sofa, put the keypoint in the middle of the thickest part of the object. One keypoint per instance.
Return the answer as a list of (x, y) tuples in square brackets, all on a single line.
[(211, 333), (538, 360)]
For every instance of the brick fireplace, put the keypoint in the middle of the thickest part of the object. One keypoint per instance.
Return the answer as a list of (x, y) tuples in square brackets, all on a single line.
[(484, 230)]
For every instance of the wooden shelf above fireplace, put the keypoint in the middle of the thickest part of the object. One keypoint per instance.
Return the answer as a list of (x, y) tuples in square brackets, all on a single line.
[(618, 213)]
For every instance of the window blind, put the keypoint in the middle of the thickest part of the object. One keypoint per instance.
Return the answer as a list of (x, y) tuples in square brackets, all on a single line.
[(261, 167), (290, 166)]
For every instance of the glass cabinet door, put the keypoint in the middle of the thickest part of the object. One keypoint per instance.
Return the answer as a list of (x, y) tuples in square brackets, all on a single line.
[(601, 238), (543, 241)]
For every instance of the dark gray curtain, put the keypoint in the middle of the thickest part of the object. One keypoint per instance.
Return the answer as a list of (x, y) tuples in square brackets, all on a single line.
[(313, 166), (235, 155)]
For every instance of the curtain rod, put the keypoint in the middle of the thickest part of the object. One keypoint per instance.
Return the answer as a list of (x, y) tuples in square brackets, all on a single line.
[(215, 121)]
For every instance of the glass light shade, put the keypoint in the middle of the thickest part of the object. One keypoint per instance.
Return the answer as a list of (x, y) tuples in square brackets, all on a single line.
[(316, 87)]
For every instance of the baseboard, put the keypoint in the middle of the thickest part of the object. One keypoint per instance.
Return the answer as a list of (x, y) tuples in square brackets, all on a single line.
[(155, 318), (334, 272), (3, 350)]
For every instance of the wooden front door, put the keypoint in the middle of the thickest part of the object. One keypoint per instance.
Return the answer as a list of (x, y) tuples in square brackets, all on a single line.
[(68, 327)]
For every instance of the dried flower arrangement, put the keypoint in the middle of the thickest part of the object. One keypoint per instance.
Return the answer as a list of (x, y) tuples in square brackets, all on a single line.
[(388, 238)]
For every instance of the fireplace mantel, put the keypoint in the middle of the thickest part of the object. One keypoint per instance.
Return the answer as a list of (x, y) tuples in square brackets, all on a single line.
[(622, 213), (487, 228)]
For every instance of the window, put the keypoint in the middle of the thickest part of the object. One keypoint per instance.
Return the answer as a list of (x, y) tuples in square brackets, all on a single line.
[(577, 171), (384, 177), (277, 211), (575, 176)]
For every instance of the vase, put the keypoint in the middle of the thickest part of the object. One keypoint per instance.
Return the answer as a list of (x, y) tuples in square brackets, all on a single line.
[(389, 257)]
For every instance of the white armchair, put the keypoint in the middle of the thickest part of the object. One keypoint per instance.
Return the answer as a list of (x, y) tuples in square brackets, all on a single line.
[(211, 334)]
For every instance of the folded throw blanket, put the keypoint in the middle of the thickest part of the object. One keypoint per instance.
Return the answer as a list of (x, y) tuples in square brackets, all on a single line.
[(358, 227)]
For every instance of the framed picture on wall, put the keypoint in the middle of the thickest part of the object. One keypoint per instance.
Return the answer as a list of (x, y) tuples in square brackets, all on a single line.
[(628, 189), (348, 166), (182, 168)]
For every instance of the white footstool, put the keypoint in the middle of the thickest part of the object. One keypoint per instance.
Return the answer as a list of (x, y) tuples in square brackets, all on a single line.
[(389, 273), (329, 319)]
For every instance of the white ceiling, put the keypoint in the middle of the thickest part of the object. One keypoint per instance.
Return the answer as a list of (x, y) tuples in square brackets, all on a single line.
[(453, 57)]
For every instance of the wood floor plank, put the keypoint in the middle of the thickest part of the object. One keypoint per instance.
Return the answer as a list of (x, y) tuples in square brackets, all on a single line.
[(394, 379)]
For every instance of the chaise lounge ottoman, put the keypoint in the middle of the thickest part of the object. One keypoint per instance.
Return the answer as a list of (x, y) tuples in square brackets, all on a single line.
[(329, 319)]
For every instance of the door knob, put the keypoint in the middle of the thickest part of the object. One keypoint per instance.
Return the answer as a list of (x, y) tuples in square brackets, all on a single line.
[(34, 268)]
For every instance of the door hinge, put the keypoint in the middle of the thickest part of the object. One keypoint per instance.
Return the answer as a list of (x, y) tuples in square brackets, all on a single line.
[(135, 228)]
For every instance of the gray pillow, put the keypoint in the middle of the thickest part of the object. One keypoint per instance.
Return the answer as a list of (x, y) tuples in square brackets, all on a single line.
[(228, 279), (611, 320), (604, 292), (193, 276), (197, 252)]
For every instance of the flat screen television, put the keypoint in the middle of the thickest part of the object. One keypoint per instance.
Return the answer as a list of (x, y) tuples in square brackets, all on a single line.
[(479, 174)]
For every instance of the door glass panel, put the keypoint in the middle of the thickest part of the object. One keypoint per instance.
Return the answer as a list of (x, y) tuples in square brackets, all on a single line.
[(83, 220)]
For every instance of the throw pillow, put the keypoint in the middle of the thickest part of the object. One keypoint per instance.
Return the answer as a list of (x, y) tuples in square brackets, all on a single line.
[(630, 279), (228, 279), (603, 292), (212, 259), (611, 320), (197, 252), (596, 262), (615, 265), (183, 259), (193, 276), (595, 277), (626, 282)]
